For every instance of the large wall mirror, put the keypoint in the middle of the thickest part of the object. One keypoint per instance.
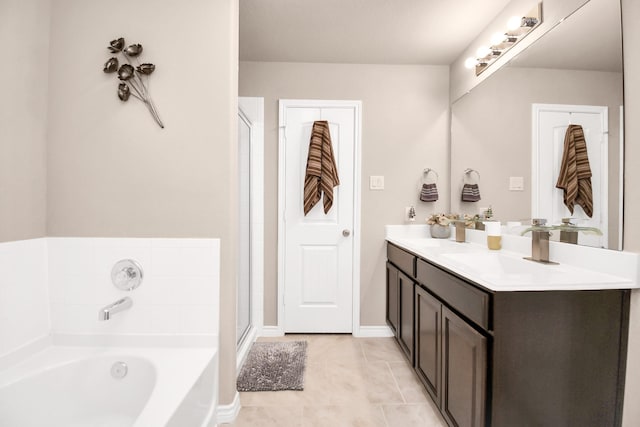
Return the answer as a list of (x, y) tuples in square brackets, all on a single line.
[(511, 127)]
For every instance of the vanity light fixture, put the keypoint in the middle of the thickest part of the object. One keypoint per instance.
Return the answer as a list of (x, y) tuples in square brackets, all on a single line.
[(517, 28)]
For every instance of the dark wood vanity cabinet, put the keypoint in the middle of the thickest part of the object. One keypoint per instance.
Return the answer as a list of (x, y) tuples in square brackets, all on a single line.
[(400, 297), (407, 294), (464, 372), (428, 361), (510, 359), (451, 361), (393, 295)]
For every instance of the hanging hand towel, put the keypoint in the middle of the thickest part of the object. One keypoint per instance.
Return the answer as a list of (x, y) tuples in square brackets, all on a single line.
[(575, 172), (470, 193), (321, 173), (429, 192)]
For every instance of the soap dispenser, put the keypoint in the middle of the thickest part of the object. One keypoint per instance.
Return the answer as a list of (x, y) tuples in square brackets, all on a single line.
[(494, 235)]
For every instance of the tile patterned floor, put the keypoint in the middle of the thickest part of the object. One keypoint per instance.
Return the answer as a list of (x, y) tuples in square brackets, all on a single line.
[(360, 382)]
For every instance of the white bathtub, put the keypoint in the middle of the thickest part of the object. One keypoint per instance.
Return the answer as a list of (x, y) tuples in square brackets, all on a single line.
[(73, 386)]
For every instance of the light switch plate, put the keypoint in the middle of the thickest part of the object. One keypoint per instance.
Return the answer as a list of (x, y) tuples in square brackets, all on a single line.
[(516, 183), (376, 182)]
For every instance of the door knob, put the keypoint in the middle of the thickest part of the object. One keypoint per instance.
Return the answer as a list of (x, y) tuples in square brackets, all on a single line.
[(346, 233)]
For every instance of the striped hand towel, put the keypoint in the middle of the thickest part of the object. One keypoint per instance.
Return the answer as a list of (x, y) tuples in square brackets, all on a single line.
[(429, 193), (575, 172), (321, 173), (470, 193)]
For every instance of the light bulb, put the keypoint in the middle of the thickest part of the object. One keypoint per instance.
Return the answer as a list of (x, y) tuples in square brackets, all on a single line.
[(483, 51), (497, 38), (470, 63), (514, 23)]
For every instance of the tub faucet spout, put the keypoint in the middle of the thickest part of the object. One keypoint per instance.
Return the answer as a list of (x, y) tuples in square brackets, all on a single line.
[(122, 304)]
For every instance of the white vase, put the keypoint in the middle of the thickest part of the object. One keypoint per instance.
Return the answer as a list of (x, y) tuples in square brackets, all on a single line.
[(440, 231)]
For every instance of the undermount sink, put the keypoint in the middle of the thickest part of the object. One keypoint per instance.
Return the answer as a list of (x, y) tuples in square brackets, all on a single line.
[(509, 270)]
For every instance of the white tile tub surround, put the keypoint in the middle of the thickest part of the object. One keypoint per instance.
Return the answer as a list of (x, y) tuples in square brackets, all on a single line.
[(179, 293), (24, 301)]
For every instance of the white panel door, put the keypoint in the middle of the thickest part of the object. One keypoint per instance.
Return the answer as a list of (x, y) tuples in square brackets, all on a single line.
[(550, 124), (317, 250)]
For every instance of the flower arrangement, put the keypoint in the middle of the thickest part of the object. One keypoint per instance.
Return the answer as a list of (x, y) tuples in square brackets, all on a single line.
[(441, 219), (134, 81)]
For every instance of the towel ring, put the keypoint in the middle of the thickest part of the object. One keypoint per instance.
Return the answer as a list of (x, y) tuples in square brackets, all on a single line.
[(469, 171), (425, 175)]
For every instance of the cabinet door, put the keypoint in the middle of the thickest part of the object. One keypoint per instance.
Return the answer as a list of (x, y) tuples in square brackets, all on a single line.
[(393, 294), (428, 317), (406, 285), (464, 372)]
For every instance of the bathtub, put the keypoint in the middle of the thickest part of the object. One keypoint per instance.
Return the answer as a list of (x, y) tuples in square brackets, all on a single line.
[(74, 386)]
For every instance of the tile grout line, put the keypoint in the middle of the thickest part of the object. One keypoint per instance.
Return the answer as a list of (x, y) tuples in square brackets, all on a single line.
[(384, 416), (395, 380)]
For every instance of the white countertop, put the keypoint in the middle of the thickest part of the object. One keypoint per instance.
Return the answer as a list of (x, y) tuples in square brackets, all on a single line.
[(507, 270)]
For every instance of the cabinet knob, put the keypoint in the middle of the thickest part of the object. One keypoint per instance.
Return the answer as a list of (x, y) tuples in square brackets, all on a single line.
[(346, 233)]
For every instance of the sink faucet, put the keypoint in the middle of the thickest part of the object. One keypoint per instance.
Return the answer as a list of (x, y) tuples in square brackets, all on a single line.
[(122, 304), (461, 228), (539, 241)]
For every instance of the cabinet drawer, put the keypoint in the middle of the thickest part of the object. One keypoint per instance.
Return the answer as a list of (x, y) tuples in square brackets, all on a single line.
[(402, 259), (465, 298)]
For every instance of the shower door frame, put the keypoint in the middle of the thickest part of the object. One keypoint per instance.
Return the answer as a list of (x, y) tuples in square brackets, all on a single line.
[(251, 110)]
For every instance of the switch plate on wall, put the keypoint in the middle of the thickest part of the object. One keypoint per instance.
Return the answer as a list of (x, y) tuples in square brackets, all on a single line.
[(516, 183), (376, 182)]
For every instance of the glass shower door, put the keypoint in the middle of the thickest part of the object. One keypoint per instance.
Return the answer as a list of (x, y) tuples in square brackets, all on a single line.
[(243, 312)]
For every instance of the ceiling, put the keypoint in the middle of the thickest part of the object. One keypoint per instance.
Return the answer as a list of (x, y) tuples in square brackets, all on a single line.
[(433, 32), (590, 39)]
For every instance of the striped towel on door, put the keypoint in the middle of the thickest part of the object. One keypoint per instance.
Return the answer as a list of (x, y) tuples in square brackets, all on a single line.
[(321, 174), (575, 172)]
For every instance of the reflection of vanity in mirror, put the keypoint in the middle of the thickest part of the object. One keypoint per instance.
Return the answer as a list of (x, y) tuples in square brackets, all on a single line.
[(513, 125)]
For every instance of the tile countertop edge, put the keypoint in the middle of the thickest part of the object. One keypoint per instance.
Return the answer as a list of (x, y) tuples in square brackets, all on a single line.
[(620, 269)]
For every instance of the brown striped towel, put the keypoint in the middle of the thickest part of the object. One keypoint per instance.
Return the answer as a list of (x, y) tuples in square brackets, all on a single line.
[(429, 193), (575, 172), (322, 174), (470, 193)]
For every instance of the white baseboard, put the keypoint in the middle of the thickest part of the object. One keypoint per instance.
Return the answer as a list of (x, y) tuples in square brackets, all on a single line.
[(228, 413), (272, 331), (373, 332)]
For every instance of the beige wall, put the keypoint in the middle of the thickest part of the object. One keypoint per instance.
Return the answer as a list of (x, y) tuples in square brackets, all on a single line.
[(24, 28), (631, 41), (503, 131), (404, 130), (111, 170)]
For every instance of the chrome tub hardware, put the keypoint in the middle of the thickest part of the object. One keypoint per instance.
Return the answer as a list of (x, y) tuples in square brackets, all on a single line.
[(119, 370), (127, 274), (122, 304)]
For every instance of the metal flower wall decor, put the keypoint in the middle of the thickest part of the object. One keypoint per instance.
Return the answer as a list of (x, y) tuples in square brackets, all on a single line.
[(134, 81)]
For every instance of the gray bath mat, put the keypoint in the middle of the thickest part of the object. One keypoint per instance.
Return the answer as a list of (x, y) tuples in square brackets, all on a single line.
[(273, 366)]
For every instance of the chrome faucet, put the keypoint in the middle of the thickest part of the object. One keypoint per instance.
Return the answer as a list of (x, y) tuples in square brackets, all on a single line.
[(122, 304)]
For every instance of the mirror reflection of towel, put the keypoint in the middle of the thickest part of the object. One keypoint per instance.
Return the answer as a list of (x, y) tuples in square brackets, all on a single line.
[(470, 193), (575, 172), (321, 173), (429, 193)]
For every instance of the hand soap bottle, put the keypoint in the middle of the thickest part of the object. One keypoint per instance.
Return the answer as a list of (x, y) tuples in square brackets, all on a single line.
[(494, 235)]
